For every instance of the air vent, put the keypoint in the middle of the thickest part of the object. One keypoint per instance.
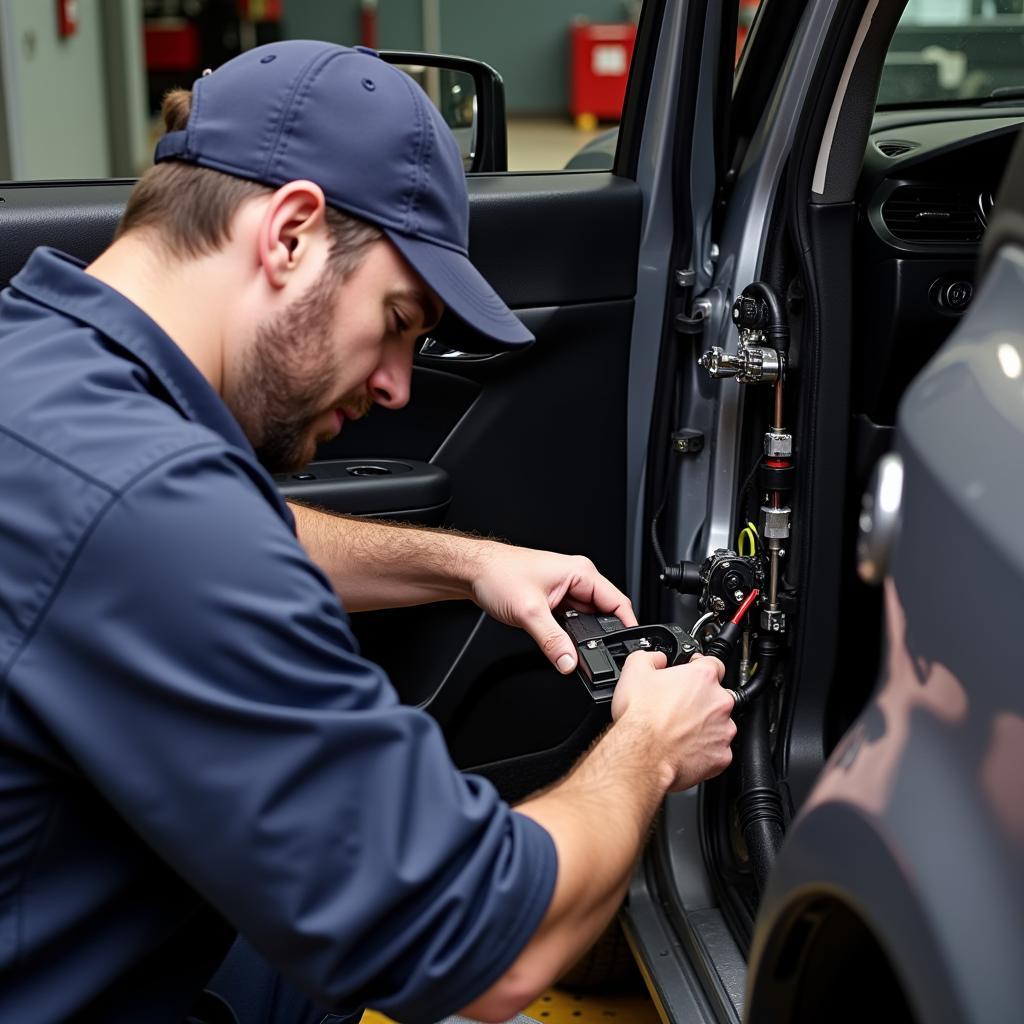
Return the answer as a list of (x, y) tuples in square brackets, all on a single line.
[(895, 147), (933, 214)]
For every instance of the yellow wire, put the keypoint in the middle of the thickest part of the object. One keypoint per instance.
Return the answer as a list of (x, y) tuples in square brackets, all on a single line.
[(745, 534), (750, 532)]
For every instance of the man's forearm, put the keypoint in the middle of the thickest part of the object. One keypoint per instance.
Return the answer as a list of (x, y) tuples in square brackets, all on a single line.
[(377, 565)]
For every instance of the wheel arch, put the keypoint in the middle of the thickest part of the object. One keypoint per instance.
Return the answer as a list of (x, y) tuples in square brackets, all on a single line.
[(843, 921)]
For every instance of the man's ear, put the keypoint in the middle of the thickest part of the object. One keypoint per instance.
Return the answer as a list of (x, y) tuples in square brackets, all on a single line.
[(293, 221)]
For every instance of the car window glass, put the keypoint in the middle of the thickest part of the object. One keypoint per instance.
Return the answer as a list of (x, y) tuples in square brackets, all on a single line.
[(81, 84), (947, 50)]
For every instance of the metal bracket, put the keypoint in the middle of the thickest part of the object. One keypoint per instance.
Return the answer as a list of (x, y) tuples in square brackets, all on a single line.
[(687, 441), (699, 315)]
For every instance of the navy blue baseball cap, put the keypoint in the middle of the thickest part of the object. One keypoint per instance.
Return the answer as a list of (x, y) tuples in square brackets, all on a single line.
[(367, 134)]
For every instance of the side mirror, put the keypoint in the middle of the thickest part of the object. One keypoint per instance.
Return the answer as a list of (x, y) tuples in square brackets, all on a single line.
[(471, 98)]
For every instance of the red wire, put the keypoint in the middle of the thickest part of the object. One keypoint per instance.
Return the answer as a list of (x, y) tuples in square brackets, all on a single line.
[(745, 607)]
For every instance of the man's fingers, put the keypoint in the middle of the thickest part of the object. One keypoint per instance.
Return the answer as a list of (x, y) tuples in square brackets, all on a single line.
[(711, 662), (624, 612), (610, 600), (601, 595), (656, 659)]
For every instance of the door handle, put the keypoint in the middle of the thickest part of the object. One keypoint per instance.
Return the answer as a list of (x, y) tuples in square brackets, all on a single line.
[(433, 349)]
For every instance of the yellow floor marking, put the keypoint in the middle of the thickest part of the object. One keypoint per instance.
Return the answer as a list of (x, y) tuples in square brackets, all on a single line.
[(373, 1017), (558, 1007)]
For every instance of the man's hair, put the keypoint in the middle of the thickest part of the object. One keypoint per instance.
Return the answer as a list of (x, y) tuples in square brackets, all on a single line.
[(191, 208)]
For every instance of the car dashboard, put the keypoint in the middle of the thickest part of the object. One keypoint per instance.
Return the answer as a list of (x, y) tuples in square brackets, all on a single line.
[(928, 185)]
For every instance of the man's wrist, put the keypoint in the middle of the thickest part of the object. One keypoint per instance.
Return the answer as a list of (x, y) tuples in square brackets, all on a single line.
[(646, 739), (631, 758), (471, 556)]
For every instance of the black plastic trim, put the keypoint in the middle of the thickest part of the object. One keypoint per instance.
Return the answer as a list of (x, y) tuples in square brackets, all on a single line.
[(369, 486), (877, 221), (572, 237), (857, 108)]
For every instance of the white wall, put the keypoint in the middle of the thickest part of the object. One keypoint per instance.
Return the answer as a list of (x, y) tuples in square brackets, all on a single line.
[(59, 118)]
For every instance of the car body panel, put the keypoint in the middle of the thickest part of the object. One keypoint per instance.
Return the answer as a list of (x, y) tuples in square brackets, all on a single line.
[(917, 821)]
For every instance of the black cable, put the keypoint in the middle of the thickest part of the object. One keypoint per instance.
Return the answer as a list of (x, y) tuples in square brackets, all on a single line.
[(655, 543), (778, 329), (759, 804), (768, 651)]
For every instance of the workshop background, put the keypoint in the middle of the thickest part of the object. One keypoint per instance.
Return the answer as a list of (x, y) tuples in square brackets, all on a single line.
[(81, 80)]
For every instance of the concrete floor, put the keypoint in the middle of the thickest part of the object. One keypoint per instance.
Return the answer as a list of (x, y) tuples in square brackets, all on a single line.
[(544, 144)]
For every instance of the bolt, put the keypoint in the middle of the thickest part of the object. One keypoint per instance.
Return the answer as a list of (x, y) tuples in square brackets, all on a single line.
[(643, 642), (717, 604), (571, 613), (592, 645), (737, 595)]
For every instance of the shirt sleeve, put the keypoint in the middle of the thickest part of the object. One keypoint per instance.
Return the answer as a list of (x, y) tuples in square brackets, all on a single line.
[(201, 673)]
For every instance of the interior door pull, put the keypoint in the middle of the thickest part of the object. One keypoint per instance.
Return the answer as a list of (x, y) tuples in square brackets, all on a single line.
[(433, 349)]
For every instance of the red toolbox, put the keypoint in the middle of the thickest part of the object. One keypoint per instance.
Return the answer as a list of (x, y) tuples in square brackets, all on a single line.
[(172, 44), (599, 57)]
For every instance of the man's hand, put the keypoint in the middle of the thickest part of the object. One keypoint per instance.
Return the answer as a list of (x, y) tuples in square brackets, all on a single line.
[(672, 729), (686, 708), (521, 586)]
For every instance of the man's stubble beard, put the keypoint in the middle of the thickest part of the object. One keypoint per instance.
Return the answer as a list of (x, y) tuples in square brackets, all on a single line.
[(287, 379)]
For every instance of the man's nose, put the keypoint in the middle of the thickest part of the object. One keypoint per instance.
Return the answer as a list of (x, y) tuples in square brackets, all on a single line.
[(390, 383)]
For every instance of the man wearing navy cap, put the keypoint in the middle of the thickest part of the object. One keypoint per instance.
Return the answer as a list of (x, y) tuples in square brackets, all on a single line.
[(191, 745)]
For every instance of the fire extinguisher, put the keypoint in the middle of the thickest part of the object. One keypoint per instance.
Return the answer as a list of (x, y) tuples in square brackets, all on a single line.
[(368, 23)]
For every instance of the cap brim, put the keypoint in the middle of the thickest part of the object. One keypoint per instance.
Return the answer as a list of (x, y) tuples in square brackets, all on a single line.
[(491, 324)]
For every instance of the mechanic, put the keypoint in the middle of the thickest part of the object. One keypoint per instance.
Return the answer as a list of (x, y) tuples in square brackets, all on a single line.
[(191, 745)]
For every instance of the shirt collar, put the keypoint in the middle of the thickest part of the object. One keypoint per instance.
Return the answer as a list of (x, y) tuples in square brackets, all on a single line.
[(56, 280)]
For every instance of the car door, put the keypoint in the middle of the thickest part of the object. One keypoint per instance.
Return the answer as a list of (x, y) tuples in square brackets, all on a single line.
[(543, 448)]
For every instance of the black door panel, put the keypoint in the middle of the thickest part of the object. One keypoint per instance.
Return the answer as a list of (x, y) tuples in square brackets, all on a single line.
[(552, 239), (538, 459), (438, 401), (77, 217)]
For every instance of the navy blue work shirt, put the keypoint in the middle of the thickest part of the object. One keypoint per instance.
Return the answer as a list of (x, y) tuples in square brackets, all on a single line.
[(190, 742)]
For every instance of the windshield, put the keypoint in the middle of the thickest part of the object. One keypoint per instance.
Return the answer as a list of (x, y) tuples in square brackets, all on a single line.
[(948, 50)]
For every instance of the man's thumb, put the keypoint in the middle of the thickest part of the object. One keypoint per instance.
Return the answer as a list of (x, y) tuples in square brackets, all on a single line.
[(556, 644)]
